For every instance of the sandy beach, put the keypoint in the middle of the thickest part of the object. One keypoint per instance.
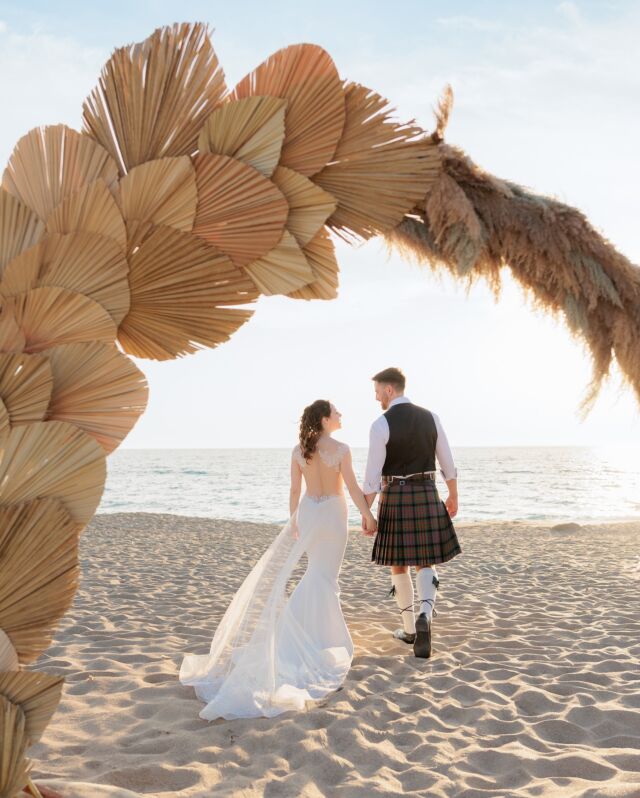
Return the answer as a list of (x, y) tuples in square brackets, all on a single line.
[(533, 688)]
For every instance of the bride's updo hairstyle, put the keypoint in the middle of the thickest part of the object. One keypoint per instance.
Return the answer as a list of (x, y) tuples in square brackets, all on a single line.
[(311, 425)]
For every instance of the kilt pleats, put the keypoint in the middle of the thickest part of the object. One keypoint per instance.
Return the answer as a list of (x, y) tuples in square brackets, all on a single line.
[(414, 526)]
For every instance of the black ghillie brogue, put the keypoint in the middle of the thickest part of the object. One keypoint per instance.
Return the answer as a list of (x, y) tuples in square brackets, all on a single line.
[(422, 644), (406, 637)]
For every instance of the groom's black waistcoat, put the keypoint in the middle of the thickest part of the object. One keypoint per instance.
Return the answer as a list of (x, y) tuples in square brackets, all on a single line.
[(412, 440)]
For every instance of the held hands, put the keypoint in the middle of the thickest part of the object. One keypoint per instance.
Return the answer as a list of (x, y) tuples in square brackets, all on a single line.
[(369, 525)]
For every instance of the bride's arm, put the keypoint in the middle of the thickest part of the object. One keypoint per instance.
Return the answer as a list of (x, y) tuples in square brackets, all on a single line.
[(296, 485), (346, 467)]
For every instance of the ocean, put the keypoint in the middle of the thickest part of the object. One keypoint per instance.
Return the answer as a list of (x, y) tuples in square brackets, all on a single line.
[(503, 483)]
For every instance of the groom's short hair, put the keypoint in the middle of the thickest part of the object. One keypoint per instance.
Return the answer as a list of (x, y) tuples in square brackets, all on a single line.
[(391, 376)]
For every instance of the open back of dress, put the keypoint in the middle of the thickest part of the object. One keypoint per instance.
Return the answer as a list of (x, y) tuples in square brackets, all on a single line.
[(321, 471)]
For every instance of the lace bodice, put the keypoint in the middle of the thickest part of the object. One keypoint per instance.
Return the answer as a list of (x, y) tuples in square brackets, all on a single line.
[(322, 473), (330, 459)]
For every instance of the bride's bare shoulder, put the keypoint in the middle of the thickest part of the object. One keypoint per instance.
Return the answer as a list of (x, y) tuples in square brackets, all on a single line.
[(296, 454), (344, 447), (332, 452)]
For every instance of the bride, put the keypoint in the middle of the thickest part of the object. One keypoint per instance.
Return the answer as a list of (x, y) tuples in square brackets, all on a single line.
[(271, 653)]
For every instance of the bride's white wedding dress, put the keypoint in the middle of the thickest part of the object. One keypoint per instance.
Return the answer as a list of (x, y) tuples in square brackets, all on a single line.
[(272, 652)]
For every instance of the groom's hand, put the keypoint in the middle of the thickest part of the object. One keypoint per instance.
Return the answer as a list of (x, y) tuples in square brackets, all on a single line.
[(452, 505)]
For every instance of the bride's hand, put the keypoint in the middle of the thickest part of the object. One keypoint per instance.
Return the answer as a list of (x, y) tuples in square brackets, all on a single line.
[(371, 525), (295, 534)]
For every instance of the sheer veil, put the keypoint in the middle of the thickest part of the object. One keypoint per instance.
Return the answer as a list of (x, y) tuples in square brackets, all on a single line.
[(238, 676)]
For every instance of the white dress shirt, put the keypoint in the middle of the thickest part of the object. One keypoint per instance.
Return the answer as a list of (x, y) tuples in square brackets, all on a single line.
[(378, 438)]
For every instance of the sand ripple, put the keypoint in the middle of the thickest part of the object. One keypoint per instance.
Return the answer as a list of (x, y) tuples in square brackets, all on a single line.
[(533, 688)]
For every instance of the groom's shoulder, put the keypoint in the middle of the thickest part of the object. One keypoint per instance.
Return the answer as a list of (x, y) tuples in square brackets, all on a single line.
[(404, 407), (410, 407), (426, 411), (380, 421), (421, 409)]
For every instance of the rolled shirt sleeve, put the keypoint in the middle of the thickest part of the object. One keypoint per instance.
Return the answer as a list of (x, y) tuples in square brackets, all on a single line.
[(378, 437), (443, 452)]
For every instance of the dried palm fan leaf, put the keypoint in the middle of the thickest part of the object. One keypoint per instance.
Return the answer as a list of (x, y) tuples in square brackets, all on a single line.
[(239, 210), (86, 262), (22, 723), (161, 191), (251, 130), (5, 423), (38, 572), (474, 224), (49, 163), (14, 768), (154, 96), (20, 228), (321, 256), (98, 389), (137, 232), (53, 459), (91, 208), (12, 338), (177, 281), (283, 269), (304, 75), (21, 272), (50, 316), (8, 656), (37, 694), (25, 386), (380, 169), (309, 205)]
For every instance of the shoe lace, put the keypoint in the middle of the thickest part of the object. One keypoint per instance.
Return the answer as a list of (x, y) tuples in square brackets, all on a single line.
[(392, 592)]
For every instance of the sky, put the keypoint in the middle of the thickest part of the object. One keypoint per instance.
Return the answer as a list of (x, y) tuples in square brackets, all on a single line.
[(545, 94)]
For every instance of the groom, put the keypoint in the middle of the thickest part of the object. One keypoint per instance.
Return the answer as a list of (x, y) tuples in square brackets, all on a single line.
[(414, 524)]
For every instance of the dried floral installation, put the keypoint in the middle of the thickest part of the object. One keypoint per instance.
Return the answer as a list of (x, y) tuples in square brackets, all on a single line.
[(152, 231)]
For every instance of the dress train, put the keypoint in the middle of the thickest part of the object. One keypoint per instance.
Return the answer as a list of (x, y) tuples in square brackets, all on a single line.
[(272, 653)]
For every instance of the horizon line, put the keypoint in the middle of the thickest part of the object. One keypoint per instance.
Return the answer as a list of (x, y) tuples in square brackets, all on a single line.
[(366, 446)]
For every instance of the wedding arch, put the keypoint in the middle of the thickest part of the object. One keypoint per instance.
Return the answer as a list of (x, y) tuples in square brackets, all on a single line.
[(149, 232)]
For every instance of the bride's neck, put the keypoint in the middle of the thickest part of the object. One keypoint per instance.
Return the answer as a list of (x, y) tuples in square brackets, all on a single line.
[(324, 436)]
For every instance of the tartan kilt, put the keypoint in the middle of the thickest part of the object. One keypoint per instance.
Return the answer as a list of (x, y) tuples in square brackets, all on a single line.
[(414, 526)]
